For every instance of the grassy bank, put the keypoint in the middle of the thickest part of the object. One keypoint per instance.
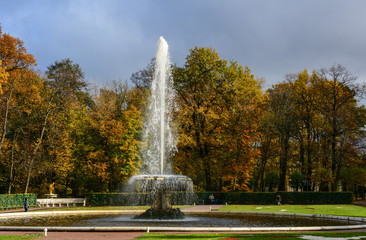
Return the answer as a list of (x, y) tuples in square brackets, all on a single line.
[(339, 210)]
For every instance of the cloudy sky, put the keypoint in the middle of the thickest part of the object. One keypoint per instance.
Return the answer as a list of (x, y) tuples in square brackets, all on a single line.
[(111, 39)]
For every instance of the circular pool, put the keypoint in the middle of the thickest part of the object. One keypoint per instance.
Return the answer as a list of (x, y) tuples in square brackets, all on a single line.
[(215, 219)]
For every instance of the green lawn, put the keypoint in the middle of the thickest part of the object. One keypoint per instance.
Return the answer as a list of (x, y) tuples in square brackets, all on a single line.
[(340, 210), (254, 236)]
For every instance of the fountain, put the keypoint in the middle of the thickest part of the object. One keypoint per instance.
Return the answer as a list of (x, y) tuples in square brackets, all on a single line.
[(159, 145), (158, 183)]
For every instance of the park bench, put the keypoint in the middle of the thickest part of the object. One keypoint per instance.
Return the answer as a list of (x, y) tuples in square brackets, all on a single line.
[(60, 202)]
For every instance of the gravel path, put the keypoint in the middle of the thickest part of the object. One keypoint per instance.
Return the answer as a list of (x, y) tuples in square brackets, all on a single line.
[(127, 235), (202, 208)]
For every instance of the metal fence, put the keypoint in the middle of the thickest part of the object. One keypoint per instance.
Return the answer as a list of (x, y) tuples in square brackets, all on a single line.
[(17, 200)]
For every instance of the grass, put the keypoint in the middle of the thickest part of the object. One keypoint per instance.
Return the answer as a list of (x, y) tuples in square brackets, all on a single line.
[(254, 236), (340, 210), (16, 237)]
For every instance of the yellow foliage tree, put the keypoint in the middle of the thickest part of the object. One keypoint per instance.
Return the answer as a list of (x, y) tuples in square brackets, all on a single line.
[(217, 121)]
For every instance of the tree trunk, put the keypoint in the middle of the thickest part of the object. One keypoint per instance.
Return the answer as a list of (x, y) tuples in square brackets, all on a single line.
[(33, 155), (234, 184), (5, 125), (309, 160), (12, 165), (208, 177), (262, 167), (302, 156), (334, 161), (283, 166)]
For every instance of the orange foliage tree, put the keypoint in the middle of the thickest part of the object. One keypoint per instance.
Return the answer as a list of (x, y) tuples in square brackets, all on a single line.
[(22, 126), (217, 121)]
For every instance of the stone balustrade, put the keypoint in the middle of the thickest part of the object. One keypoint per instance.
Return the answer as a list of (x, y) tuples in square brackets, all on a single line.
[(61, 202)]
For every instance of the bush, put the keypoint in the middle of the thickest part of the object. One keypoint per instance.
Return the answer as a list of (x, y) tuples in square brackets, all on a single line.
[(296, 180)]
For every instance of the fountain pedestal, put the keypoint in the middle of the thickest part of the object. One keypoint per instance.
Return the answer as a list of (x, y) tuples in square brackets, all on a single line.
[(159, 188), (162, 202)]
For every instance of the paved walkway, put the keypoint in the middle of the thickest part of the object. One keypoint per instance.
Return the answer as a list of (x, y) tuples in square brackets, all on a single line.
[(360, 203), (127, 235), (83, 235), (203, 208)]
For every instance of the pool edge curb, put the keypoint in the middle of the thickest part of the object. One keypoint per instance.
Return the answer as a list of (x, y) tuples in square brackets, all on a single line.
[(180, 229)]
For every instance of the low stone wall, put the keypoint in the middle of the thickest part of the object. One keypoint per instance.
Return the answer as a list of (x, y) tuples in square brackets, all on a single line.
[(61, 202)]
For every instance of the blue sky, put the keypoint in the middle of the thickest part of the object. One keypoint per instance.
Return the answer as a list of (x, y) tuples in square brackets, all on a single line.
[(112, 39)]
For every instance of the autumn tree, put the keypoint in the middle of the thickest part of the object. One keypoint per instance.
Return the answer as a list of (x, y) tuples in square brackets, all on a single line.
[(118, 122), (282, 104), (317, 124), (337, 90), (16, 66), (216, 116), (307, 112), (66, 78), (3, 76), (142, 79), (266, 143), (100, 148), (20, 98)]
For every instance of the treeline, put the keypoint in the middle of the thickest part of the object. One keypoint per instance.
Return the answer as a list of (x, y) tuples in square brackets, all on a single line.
[(53, 130), (306, 132)]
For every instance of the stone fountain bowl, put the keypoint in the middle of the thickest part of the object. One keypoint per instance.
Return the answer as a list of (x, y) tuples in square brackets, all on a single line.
[(157, 183), (157, 189)]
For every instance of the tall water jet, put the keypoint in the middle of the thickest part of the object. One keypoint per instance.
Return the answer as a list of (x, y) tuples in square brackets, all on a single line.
[(159, 145), (159, 139)]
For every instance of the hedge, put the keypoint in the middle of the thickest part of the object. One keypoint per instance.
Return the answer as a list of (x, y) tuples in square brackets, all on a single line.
[(17, 200), (267, 198), (270, 197)]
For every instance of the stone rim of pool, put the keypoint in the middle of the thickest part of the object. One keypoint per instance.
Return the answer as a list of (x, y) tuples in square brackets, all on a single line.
[(175, 229)]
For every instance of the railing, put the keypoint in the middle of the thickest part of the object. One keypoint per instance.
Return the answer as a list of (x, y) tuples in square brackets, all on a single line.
[(17, 200), (60, 202)]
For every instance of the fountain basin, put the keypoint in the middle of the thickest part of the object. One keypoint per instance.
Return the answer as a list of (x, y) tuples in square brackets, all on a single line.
[(159, 188), (216, 219), (156, 183)]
